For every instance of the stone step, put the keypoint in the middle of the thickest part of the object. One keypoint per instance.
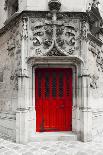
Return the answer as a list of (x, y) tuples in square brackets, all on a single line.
[(54, 136)]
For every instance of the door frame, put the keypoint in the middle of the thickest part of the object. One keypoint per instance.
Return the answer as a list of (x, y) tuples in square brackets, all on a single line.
[(75, 86), (81, 114)]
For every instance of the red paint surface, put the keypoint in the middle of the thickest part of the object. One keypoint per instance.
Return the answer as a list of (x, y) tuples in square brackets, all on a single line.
[(53, 113)]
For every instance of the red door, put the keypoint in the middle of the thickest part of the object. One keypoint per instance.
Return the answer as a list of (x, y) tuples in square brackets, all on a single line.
[(53, 87)]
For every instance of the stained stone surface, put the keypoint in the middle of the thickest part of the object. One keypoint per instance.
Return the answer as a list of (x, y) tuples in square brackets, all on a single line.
[(53, 147)]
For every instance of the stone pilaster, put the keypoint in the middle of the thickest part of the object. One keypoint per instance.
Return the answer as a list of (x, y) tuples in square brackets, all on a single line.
[(85, 112), (22, 114), (22, 117)]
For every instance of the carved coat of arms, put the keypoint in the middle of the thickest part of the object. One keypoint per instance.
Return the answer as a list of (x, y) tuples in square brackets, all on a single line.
[(52, 37)]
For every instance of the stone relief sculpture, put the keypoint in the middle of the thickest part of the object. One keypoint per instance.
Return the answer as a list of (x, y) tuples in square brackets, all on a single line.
[(24, 33), (14, 52), (98, 53), (84, 30), (93, 83), (47, 34), (11, 46), (14, 80)]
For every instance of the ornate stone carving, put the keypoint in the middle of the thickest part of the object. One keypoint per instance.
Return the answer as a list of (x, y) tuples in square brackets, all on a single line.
[(54, 5), (55, 52), (11, 46), (94, 3), (92, 48), (6, 4), (14, 79), (65, 37), (45, 33), (41, 35), (84, 30), (24, 34), (98, 53), (93, 83)]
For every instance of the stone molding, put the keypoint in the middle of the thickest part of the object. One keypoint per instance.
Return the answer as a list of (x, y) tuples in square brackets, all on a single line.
[(53, 60)]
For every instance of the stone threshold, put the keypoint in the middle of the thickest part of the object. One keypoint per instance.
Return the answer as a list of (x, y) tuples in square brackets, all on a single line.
[(53, 136)]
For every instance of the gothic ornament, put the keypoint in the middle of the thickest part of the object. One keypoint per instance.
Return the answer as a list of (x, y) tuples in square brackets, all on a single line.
[(98, 54), (65, 38), (6, 4), (11, 46), (55, 52), (14, 80), (45, 34), (94, 4), (84, 30), (24, 34), (54, 5), (93, 83)]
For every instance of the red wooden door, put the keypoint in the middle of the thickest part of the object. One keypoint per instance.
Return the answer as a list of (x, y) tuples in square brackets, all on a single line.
[(53, 89)]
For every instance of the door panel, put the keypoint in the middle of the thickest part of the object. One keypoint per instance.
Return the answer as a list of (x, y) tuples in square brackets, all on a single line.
[(53, 87)]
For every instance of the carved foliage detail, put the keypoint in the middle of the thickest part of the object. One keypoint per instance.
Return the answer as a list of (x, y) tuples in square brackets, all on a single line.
[(14, 80), (41, 37), (65, 37), (55, 52), (84, 30), (98, 54), (45, 33), (24, 34), (14, 55), (93, 83)]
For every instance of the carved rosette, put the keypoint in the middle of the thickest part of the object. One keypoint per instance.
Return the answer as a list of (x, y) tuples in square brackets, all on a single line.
[(47, 34)]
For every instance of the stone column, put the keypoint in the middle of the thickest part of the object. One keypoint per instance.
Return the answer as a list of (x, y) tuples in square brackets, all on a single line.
[(22, 114), (85, 108), (23, 107), (85, 112)]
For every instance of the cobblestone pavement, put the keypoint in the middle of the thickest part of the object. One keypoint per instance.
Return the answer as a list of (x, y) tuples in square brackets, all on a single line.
[(53, 148)]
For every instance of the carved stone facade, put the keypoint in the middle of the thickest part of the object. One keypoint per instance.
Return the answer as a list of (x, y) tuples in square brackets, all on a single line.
[(10, 68), (51, 39), (47, 33)]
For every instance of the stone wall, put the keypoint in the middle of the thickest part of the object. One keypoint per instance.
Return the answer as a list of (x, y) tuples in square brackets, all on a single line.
[(10, 66), (3, 14), (10, 69), (95, 68)]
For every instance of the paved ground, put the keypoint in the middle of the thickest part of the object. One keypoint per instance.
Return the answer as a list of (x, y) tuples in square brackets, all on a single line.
[(53, 148)]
